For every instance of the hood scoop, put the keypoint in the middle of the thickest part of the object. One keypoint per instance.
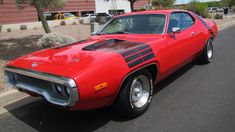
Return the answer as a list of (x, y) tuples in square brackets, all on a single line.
[(103, 44), (113, 45)]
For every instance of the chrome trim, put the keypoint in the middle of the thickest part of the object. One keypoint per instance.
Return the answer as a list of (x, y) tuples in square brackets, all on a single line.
[(70, 83)]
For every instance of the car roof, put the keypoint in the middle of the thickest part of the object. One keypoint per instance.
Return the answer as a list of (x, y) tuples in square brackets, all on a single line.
[(168, 11)]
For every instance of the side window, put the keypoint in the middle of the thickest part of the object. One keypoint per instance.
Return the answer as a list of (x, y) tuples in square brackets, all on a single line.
[(187, 21), (180, 19), (174, 21)]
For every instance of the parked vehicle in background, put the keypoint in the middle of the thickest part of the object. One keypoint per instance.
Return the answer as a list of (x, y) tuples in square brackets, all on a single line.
[(102, 17), (215, 9), (88, 16), (220, 10), (65, 16), (120, 65)]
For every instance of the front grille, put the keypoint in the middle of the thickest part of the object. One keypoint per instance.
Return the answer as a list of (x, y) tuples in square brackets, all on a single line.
[(18, 78), (57, 90), (33, 81)]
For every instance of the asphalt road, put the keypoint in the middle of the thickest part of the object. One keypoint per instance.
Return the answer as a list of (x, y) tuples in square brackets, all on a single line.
[(197, 98)]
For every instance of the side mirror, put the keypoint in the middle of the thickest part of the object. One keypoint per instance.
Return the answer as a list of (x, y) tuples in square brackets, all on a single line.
[(175, 30)]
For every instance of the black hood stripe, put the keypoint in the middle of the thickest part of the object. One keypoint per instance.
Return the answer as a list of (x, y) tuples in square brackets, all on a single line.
[(134, 53)]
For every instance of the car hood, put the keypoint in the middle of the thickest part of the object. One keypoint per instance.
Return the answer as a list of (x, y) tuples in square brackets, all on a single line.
[(83, 55)]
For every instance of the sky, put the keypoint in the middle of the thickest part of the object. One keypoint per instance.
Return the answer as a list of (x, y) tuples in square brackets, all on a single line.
[(187, 1)]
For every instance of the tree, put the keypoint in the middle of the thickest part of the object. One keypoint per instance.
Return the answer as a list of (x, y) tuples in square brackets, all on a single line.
[(163, 3), (132, 4), (229, 3), (41, 6)]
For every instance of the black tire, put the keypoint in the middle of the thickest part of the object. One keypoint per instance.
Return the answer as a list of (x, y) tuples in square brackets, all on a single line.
[(205, 56), (125, 102)]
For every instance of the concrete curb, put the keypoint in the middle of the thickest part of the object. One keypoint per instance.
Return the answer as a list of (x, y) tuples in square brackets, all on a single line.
[(8, 92), (9, 97), (226, 25)]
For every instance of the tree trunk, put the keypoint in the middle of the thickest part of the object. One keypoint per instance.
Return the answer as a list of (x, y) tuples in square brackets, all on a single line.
[(42, 19), (132, 6)]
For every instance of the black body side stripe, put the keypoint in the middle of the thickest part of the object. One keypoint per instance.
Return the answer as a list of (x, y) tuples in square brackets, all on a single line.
[(148, 57), (139, 61), (134, 63), (132, 57), (146, 51), (138, 54), (135, 50), (129, 52)]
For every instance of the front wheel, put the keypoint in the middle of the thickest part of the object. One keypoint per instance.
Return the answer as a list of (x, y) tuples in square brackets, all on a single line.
[(135, 95), (207, 53)]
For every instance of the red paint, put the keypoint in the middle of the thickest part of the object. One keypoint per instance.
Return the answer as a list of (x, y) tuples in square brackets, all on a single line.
[(99, 66)]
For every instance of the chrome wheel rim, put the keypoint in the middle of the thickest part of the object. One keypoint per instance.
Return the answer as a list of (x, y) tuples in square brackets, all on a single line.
[(140, 91), (209, 50)]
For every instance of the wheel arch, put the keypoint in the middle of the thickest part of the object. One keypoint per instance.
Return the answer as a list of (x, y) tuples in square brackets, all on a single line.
[(153, 69)]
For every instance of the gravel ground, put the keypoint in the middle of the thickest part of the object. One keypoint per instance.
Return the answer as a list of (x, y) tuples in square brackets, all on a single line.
[(18, 43), (2, 63)]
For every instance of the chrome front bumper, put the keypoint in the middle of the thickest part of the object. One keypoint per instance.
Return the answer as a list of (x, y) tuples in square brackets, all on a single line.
[(43, 84)]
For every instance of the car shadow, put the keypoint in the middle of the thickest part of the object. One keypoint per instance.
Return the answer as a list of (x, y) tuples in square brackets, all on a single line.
[(15, 47), (42, 116)]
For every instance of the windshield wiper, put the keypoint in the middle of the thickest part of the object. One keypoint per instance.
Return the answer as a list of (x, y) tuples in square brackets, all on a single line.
[(120, 32)]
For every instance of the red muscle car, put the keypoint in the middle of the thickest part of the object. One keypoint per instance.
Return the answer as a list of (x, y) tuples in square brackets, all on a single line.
[(119, 65)]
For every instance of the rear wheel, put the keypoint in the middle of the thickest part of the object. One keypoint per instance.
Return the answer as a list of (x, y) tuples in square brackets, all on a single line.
[(207, 53), (135, 95)]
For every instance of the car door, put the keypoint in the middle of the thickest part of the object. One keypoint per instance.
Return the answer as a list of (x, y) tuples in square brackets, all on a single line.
[(181, 45)]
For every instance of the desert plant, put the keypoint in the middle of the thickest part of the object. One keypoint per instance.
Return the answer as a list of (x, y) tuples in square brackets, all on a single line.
[(0, 28), (8, 30), (62, 23), (54, 39), (74, 23), (23, 27), (218, 16)]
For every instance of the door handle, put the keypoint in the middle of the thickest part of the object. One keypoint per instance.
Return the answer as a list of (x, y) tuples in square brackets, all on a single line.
[(192, 33)]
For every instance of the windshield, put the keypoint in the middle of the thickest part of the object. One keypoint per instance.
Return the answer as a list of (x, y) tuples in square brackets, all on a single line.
[(136, 24)]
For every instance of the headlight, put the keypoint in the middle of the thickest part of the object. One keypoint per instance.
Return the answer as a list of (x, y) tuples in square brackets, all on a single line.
[(67, 91), (62, 90), (59, 89)]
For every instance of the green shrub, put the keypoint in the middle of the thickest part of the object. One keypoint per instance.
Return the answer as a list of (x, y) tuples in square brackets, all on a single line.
[(62, 23), (218, 16), (74, 23), (23, 27), (0, 28), (233, 8), (199, 8)]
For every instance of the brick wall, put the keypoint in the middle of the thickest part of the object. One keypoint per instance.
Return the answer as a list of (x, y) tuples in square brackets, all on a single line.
[(140, 4), (10, 14)]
